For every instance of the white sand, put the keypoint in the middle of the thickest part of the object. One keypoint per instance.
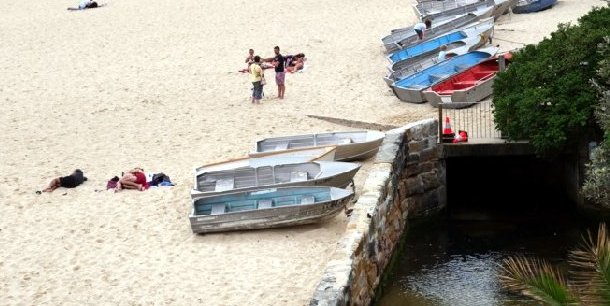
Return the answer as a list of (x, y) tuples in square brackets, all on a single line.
[(155, 84)]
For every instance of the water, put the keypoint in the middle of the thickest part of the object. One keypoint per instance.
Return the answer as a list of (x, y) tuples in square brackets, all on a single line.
[(453, 260)]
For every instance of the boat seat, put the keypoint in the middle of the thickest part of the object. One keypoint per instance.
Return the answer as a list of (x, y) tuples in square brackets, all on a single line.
[(438, 77), (281, 146), (218, 209), (465, 83), (308, 199), (288, 200), (481, 74), (298, 176), (447, 92), (266, 203), (225, 184), (459, 68)]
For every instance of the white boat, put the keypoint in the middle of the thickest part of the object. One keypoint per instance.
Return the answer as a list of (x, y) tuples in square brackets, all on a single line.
[(467, 87), (267, 208), (473, 36), (434, 9), (351, 145), (212, 181), (410, 88), (406, 37), (471, 42), (296, 155)]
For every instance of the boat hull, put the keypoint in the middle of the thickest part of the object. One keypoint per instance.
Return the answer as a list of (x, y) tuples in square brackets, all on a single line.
[(467, 87), (464, 98), (439, 9), (483, 30), (349, 146), (326, 178), (469, 37), (271, 217), (404, 38), (533, 6), (410, 89)]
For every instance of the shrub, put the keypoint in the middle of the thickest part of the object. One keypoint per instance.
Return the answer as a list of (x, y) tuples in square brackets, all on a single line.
[(545, 96)]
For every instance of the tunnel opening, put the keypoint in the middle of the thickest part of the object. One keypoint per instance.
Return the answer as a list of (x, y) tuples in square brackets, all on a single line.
[(505, 184)]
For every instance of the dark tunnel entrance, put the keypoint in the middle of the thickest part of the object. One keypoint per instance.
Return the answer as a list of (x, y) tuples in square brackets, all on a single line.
[(505, 183)]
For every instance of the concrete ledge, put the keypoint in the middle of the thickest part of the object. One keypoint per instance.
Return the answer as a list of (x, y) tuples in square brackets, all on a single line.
[(448, 150)]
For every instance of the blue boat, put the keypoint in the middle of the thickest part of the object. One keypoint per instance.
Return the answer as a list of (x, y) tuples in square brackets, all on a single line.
[(425, 47), (267, 208), (531, 6), (409, 89), (474, 36), (406, 37)]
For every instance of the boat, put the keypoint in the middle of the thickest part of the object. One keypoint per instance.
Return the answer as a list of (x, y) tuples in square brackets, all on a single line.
[(351, 145), (405, 37), (296, 155), (473, 36), (467, 87), (410, 88), (434, 9), (267, 208), (315, 173), (407, 68), (532, 6)]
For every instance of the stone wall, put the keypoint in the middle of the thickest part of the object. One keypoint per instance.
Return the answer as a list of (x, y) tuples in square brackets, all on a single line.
[(406, 181)]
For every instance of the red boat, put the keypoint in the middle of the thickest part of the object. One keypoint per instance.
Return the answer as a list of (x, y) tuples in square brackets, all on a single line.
[(467, 87)]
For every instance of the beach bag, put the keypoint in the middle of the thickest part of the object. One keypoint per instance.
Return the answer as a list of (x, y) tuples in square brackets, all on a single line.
[(263, 81), (111, 184), (161, 179)]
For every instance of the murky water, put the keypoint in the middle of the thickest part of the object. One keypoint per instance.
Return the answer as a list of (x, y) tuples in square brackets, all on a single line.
[(453, 259)]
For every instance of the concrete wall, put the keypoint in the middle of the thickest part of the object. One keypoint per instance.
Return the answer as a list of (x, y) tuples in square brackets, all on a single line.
[(406, 181)]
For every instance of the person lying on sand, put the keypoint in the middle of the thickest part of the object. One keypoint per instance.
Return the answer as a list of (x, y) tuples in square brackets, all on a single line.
[(70, 181), (295, 62), (85, 4), (132, 179)]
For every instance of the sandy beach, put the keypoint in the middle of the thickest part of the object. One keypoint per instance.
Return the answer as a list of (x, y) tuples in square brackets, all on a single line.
[(156, 85)]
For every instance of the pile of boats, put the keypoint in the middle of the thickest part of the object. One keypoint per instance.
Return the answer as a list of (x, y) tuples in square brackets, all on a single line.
[(464, 28), (283, 181)]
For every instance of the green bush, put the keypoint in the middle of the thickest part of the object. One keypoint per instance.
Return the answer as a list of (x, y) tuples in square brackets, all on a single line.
[(597, 183), (545, 96)]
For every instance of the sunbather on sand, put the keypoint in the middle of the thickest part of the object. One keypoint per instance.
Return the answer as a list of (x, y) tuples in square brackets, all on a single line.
[(85, 4), (70, 181), (132, 179), (295, 62)]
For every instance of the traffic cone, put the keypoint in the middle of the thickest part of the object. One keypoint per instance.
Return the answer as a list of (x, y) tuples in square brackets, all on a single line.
[(447, 129)]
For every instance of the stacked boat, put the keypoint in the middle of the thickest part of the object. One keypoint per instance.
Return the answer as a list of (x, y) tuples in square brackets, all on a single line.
[(458, 41), (532, 6), (413, 59), (285, 181)]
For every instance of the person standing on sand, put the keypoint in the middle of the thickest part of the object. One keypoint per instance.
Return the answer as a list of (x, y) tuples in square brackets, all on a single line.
[(280, 74), (256, 76), (421, 27)]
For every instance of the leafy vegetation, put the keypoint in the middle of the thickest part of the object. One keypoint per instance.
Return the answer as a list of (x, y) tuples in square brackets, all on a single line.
[(597, 183), (546, 96), (589, 282)]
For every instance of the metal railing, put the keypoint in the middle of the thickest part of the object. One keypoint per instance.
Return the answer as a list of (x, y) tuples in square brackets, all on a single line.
[(476, 118)]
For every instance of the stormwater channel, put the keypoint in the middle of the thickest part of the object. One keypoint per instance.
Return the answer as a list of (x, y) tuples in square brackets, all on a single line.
[(452, 259)]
